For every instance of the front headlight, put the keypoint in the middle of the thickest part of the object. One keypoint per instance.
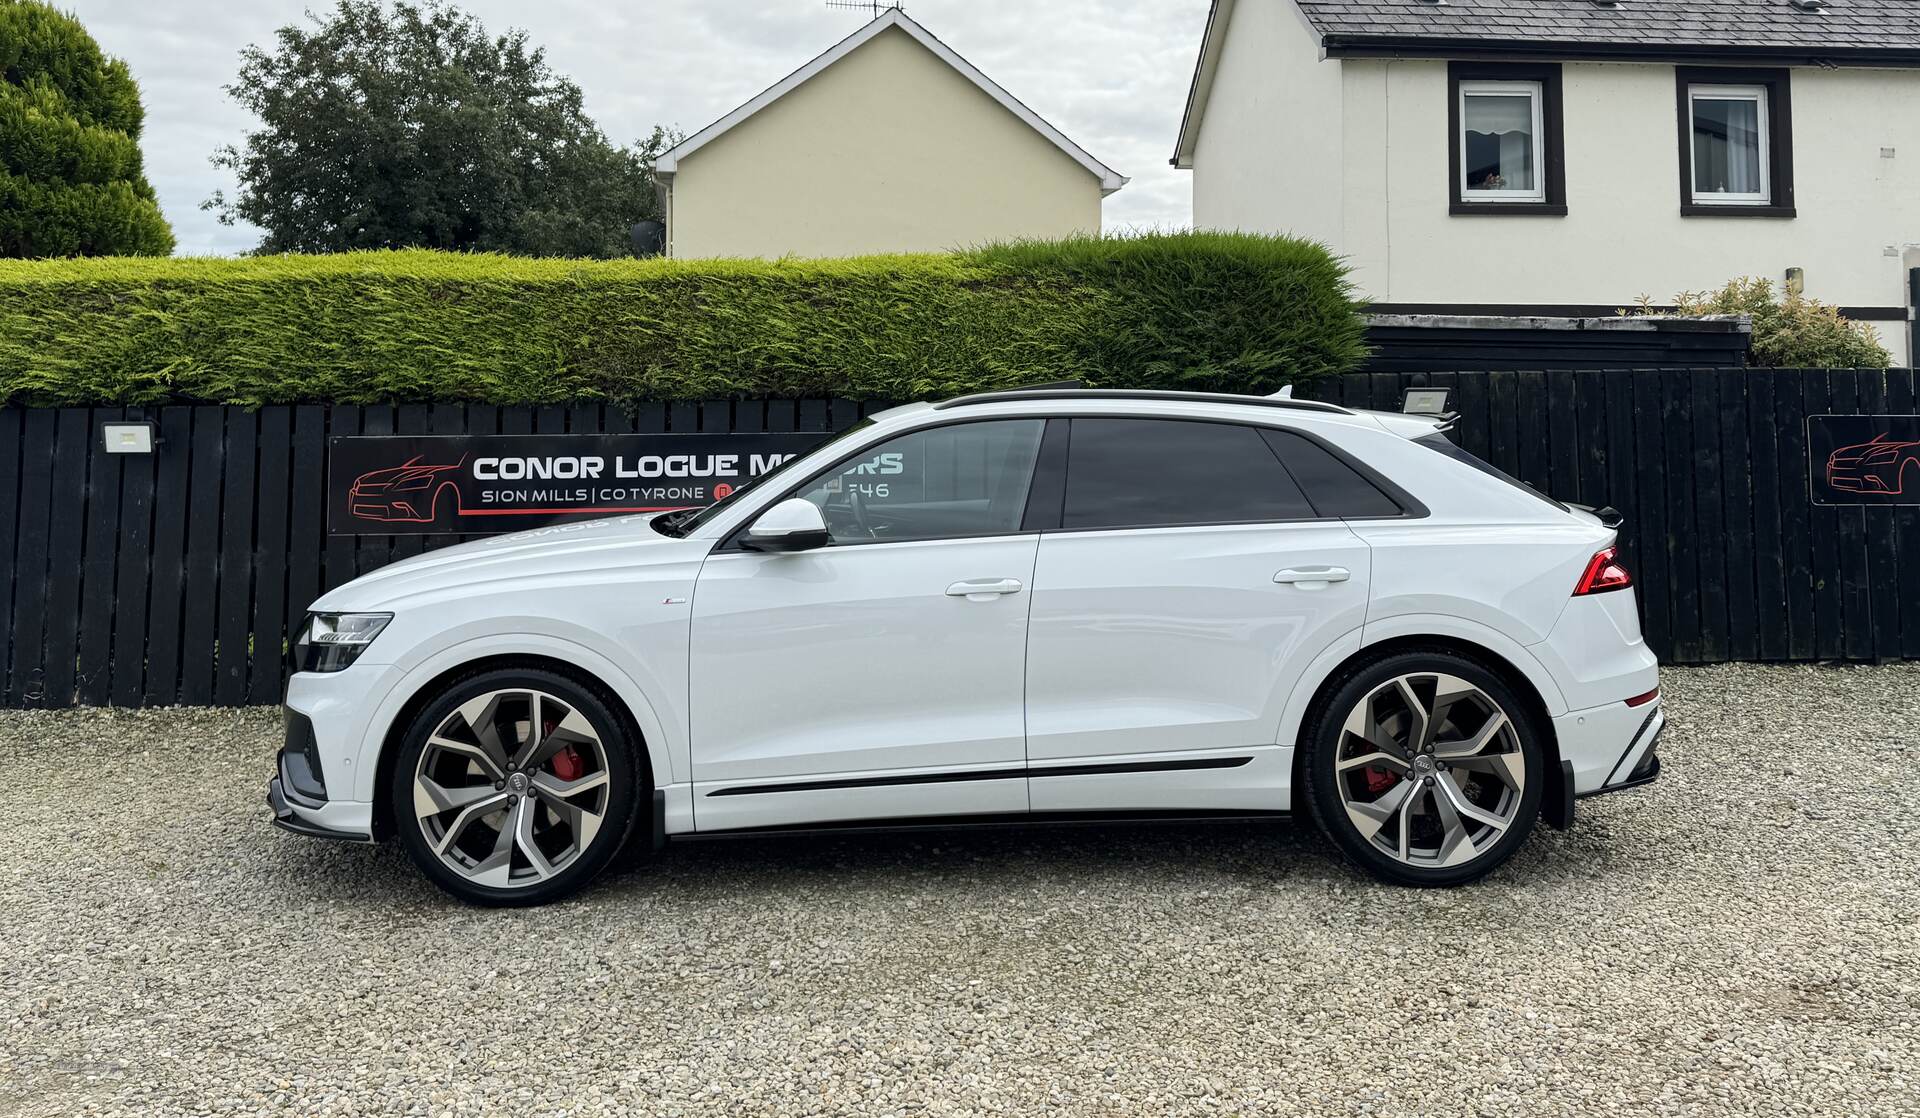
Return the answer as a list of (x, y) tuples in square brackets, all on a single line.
[(331, 642)]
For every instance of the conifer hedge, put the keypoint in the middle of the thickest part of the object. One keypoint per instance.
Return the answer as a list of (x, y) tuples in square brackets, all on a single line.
[(1223, 312)]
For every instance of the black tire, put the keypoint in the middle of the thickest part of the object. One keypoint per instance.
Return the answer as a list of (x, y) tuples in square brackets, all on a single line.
[(1321, 744), (627, 784)]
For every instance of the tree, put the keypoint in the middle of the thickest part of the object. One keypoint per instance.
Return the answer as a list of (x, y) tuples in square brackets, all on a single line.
[(410, 127), (71, 183)]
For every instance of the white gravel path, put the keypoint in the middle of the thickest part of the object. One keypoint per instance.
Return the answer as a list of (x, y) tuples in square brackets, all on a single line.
[(1741, 938)]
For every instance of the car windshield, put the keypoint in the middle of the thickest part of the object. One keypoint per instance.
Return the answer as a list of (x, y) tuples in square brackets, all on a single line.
[(683, 521)]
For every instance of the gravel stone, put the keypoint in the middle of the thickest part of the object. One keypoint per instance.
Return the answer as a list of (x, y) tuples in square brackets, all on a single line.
[(1743, 937)]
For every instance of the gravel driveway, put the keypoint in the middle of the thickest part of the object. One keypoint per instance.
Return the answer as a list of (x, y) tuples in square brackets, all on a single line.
[(1742, 937)]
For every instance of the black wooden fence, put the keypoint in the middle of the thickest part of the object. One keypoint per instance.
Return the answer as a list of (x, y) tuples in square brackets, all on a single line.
[(176, 577)]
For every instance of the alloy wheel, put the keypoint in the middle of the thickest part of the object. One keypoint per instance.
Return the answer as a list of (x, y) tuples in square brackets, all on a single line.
[(1430, 770), (511, 788)]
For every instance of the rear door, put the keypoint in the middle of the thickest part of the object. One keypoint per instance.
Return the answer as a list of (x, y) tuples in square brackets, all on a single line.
[(1189, 582)]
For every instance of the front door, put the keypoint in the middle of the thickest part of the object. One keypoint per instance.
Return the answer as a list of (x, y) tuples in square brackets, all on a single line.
[(881, 675), (1189, 583)]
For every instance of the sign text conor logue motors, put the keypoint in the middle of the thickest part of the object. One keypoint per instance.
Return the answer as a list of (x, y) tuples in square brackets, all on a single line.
[(420, 484)]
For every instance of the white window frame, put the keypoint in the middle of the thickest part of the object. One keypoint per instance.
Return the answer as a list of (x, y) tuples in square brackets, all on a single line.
[(1537, 95), (1761, 96)]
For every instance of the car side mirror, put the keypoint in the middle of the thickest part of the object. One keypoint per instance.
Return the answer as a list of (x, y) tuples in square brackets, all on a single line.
[(794, 524)]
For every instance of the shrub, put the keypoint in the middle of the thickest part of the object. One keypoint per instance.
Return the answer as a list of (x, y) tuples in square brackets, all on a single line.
[(1793, 332), (1243, 313), (70, 177)]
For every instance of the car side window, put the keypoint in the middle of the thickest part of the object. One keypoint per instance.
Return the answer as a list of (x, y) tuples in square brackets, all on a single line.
[(1334, 486), (1144, 473), (965, 479)]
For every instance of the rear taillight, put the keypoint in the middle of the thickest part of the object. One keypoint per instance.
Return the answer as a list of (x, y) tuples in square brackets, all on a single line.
[(1604, 573)]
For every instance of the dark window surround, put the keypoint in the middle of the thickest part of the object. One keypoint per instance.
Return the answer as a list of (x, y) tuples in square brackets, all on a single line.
[(1552, 145), (1778, 85), (1411, 508), (1124, 473), (1044, 516), (731, 542)]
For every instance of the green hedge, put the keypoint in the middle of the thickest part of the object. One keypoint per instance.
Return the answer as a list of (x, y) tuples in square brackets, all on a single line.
[(1203, 311)]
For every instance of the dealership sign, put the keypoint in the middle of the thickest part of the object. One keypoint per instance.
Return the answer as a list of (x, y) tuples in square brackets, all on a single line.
[(419, 484), (1864, 459)]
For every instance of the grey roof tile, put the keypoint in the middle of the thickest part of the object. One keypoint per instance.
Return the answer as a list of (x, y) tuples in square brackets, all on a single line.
[(1846, 24)]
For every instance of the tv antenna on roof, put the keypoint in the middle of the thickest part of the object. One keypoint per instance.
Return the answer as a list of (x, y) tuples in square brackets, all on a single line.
[(873, 7)]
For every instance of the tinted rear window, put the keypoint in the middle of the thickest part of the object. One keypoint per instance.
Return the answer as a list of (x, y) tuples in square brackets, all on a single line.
[(1444, 445), (1334, 487), (1135, 473)]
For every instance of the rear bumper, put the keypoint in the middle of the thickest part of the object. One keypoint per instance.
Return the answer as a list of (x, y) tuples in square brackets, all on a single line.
[(1605, 745), (1647, 773), (1640, 765)]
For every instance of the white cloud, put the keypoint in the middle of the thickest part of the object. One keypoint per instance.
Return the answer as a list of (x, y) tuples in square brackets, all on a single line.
[(1111, 74)]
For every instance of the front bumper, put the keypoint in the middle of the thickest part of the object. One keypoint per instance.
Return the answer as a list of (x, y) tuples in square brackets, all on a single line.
[(1861, 483), (287, 819), (297, 794)]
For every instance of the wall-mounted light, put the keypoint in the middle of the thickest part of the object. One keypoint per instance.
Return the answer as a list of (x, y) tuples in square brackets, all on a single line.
[(1796, 281), (1424, 401), (127, 438)]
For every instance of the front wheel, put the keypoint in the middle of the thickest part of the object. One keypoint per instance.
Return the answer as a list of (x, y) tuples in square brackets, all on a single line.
[(515, 787), (1425, 768)]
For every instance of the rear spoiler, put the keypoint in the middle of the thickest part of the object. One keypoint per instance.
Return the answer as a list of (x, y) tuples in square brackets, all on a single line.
[(1414, 426), (1608, 516)]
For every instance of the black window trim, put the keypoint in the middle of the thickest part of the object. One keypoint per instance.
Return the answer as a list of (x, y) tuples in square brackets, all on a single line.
[(1411, 508), (731, 542), (1552, 143), (1052, 456), (1779, 86)]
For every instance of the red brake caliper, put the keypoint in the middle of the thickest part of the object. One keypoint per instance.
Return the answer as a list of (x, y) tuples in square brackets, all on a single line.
[(567, 764), (1379, 779)]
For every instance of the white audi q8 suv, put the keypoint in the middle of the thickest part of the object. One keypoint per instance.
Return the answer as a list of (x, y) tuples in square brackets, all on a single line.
[(1034, 605)]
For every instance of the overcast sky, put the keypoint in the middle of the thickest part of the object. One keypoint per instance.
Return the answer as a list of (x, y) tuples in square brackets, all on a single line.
[(1111, 74)]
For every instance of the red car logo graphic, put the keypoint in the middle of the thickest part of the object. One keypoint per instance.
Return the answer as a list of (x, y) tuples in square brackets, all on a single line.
[(410, 493), (1884, 465)]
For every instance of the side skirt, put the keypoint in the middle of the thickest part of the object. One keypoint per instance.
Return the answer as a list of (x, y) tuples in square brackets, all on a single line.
[(1016, 821)]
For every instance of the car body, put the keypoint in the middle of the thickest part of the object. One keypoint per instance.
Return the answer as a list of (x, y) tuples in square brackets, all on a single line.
[(1142, 615), (1882, 465), (411, 493)]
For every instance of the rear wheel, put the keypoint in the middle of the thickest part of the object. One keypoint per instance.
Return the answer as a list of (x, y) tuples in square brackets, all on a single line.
[(515, 787), (1425, 768)]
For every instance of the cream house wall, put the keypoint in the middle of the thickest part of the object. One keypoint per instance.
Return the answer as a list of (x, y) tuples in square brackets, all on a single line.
[(1377, 193), (887, 150), (1272, 129)]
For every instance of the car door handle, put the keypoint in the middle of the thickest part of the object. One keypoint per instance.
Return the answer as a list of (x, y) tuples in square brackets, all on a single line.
[(1313, 578), (984, 589)]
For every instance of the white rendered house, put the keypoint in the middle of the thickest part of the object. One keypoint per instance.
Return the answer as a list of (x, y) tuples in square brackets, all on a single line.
[(1564, 157)]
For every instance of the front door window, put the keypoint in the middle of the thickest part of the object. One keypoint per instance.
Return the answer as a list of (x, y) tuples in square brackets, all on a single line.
[(953, 482)]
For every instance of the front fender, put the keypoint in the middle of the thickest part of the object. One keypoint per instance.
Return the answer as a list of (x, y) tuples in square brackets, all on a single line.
[(665, 744)]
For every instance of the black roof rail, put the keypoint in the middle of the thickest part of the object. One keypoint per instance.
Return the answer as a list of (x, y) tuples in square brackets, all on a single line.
[(1052, 393)]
